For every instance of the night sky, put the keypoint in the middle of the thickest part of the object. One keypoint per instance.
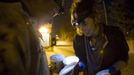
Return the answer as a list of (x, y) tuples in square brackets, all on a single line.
[(42, 8)]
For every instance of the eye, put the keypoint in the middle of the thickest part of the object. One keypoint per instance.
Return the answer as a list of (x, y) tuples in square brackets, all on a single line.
[(83, 23)]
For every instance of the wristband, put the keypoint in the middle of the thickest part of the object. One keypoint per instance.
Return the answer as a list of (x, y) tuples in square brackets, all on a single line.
[(81, 65), (111, 69)]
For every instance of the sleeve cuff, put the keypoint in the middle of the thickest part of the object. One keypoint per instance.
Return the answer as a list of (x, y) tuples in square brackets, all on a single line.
[(111, 69)]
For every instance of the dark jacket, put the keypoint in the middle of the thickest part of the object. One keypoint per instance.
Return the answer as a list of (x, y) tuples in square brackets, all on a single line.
[(116, 49)]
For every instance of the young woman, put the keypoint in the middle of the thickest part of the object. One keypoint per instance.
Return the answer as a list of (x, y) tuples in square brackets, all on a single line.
[(102, 49)]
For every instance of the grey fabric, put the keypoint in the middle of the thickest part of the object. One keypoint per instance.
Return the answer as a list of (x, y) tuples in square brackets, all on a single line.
[(20, 50)]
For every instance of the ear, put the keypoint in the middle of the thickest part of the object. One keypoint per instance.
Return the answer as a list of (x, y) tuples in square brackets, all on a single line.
[(76, 1), (79, 32)]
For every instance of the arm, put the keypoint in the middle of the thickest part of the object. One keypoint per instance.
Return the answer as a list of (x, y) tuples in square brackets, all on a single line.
[(78, 45), (9, 53), (120, 65), (79, 51), (121, 51)]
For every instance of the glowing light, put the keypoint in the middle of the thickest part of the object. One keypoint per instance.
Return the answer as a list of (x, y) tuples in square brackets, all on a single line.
[(43, 29)]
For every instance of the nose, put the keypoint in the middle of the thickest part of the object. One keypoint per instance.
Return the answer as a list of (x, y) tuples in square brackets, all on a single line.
[(85, 29)]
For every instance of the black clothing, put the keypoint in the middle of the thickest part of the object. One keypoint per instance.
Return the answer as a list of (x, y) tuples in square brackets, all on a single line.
[(116, 50), (9, 1)]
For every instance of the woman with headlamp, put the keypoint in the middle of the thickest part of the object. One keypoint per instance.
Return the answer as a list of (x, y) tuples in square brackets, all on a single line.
[(102, 49)]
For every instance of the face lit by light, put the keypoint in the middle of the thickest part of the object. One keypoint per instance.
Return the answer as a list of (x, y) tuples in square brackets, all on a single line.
[(87, 27)]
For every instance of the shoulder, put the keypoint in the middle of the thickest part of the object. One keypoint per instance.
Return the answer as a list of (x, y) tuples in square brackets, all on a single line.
[(113, 31), (78, 40), (111, 28), (115, 35)]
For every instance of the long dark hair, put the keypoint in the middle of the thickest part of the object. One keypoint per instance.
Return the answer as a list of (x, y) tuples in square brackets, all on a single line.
[(88, 8), (83, 8)]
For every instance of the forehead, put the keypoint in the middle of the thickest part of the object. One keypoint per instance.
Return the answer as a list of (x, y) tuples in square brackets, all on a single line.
[(75, 15), (89, 19), (80, 16), (87, 22)]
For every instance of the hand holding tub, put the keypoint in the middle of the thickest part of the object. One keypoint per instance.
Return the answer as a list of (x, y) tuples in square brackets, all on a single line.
[(81, 65), (103, 72), (107, 71), (70, 62)]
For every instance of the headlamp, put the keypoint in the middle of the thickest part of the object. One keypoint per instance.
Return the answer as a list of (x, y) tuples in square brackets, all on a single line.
[(78, 22), (75, 23), (78, 18)]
